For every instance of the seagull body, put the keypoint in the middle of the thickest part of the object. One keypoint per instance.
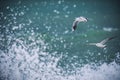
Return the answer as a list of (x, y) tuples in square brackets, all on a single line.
[(98, 45), (102, 43), (77, 20)]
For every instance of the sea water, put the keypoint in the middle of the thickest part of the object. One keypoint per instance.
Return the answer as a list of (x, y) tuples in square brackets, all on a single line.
[(37, 42)]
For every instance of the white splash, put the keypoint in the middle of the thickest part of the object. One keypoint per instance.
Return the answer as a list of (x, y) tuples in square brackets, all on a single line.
[(25, 63), (109, 29)]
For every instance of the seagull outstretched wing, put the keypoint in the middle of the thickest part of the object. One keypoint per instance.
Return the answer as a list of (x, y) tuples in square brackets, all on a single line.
[(106, 40), (74, 25)]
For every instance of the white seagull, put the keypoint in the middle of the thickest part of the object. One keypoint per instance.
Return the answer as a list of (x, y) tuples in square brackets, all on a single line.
[(102, 43), (77, 20)]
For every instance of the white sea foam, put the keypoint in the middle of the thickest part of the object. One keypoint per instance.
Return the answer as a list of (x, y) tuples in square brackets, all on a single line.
[(20, 63), (109, 29)]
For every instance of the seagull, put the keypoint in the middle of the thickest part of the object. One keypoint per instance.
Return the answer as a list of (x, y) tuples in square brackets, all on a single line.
[(102, 43), (77, 20)]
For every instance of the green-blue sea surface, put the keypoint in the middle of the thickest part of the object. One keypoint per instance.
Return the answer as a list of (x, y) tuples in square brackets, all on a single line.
[(37, 41)]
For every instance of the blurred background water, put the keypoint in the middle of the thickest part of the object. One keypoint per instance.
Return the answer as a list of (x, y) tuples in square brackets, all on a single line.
[(37, 42)]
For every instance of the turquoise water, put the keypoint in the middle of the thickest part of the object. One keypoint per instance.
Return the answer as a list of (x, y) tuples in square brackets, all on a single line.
[(37, 42)]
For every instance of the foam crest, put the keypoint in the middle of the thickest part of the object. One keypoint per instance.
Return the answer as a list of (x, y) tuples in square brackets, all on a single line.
[(20, 63)]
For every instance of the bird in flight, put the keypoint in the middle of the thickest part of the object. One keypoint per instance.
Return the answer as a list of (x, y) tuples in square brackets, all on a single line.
[(77, 20), (102, 43)]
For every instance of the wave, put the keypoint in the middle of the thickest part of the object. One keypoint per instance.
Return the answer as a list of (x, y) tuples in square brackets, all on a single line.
[(32, 62)]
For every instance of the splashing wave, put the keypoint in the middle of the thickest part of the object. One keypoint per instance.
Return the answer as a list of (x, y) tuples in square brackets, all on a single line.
[(25, 63)]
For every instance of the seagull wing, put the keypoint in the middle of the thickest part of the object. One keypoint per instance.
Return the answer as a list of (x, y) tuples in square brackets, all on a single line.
[(106, 40), (74, 25), (92, 44)]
